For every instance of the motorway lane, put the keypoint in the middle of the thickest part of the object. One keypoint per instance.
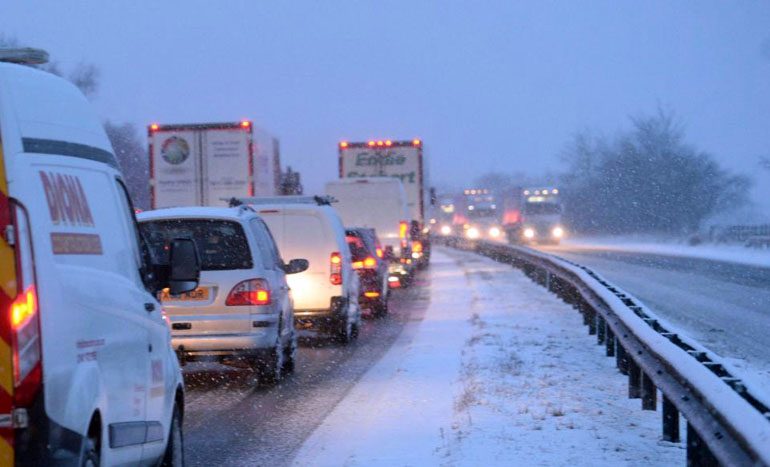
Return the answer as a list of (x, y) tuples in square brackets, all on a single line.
[(230, 422), (725, 306)]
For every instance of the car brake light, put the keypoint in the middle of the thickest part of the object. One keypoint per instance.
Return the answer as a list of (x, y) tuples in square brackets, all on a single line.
[(24, 317), (249, 292), (335, 276), (368, 263)]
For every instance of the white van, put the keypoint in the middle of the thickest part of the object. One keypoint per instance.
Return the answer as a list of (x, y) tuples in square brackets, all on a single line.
[(87, 374), (374, 202), (326, 294)]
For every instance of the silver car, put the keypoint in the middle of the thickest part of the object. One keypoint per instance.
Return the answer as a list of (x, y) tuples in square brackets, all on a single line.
[(242, 311)]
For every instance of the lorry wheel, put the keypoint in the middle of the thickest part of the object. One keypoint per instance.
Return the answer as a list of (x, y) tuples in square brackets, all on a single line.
[(174, 456)]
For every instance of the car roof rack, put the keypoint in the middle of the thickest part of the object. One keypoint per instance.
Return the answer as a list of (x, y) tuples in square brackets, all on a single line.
[(294, 199), (24, 56)]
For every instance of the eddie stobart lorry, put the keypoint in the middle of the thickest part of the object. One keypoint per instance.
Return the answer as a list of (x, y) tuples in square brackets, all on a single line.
[(404, 160)]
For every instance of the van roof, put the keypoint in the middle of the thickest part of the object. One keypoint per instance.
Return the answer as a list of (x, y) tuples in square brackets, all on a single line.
[(195, 212), (314, 208), (45, 114)]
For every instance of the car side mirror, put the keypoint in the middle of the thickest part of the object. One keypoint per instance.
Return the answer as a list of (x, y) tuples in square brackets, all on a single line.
[(296, 265), (183, 266)]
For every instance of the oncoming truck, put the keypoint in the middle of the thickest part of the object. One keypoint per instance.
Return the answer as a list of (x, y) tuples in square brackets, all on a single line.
[(204, 164), (533, 215), (404, 160)]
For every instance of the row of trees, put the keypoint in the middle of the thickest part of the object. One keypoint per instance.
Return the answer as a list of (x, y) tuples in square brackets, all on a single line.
[(646, 179)]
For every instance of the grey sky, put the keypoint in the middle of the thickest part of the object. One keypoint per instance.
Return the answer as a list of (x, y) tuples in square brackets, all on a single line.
[(488, 85)]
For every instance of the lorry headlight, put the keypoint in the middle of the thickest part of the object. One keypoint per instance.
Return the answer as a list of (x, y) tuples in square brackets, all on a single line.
[(529, 232), (494, 232), (446, 230), (472, 233), (558, 232)]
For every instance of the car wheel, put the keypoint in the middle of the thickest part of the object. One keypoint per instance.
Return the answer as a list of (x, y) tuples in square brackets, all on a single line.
[(90, 454), (269, 368), (290, 354), (174, 456)]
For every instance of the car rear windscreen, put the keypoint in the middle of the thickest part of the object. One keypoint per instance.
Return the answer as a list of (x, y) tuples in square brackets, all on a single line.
[(221, 244)]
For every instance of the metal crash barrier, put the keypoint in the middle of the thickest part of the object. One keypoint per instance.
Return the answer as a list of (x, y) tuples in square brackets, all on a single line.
[(728, 422)]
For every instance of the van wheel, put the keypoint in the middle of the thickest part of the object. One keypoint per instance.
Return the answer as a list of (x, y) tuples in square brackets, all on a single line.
[(90, 454), (344, 330), (269, 368), (174, 456)]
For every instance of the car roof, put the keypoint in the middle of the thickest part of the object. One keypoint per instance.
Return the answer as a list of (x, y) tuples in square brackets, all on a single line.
[(197, 212)]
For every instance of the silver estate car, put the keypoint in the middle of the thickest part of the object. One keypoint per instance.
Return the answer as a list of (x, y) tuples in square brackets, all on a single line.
[(243, 310)]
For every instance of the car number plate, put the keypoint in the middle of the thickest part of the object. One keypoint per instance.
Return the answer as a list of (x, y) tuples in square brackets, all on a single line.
[(198, 295)]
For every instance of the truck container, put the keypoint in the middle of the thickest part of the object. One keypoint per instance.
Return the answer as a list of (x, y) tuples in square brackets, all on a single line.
[(204, 164), (404, 160)]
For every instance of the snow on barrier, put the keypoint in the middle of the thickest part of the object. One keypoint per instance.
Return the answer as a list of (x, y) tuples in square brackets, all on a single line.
[(728, 423)]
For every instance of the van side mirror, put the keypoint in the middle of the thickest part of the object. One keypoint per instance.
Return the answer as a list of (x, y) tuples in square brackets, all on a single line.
[(183, 266), (295, 266)]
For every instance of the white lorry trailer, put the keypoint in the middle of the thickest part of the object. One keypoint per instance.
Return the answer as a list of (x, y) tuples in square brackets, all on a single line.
[(203, 164), (404, 160)]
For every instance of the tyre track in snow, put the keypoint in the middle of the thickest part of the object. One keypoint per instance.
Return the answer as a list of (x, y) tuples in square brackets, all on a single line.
[(230, 422)]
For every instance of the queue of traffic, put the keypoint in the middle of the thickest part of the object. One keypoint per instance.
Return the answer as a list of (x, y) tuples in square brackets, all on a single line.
[(104, 305)]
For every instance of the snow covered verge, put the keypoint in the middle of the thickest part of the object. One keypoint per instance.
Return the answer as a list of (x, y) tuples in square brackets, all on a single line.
[(727, 253), (499, 372)]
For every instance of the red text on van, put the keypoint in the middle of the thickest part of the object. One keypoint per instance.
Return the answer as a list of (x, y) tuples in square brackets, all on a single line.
[(67, 202)]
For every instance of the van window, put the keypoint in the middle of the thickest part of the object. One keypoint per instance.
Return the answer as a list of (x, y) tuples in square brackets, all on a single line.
[(222, 245), (301, 235)]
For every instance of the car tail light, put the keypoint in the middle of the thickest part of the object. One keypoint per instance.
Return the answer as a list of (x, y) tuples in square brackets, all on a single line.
[(394, 282), (368, 263), (335, 276), (249, 292), (417, 246), (24, 317)]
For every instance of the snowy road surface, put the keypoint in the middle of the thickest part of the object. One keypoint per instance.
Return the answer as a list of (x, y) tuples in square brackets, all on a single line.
[(724, 306), (499, 372)]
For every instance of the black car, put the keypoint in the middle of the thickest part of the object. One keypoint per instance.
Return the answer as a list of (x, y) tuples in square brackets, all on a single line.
[(372, 268)]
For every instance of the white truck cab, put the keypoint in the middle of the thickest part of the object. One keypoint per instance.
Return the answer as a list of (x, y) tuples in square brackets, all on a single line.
[(87, 373)]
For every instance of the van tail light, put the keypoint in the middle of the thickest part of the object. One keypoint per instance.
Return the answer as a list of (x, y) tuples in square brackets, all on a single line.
[(24, 318), (335, 276), (249, 293), (368, 263), (403, 229), (380, 253)]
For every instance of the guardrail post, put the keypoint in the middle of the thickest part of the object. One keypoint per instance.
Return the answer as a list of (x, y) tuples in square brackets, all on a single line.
[(634, 379), (601, 327), (621, 360), (610, 341), (697, 451), (649, 393), (670, 421)]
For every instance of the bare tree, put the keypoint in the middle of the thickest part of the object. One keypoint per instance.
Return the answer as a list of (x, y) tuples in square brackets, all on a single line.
[(132, 157), (86, 77)]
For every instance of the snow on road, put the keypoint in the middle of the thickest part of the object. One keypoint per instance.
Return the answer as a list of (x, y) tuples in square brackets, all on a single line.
[(726, 253), (499, 372)]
